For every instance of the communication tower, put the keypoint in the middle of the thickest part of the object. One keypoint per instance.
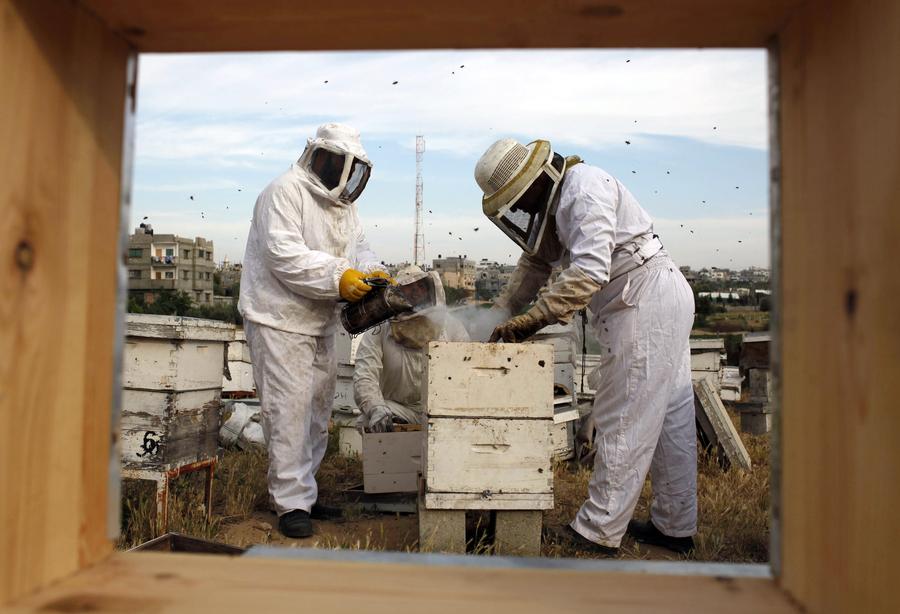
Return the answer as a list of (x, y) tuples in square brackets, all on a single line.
[(419, 241)]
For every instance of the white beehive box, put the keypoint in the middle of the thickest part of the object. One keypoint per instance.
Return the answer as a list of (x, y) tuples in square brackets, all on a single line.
[(344, 400), (172, 385), (565, 339), (706, 356), (239, 366), (392, 461), (238, 349), (343, 347), (489, 433), (241, 378)]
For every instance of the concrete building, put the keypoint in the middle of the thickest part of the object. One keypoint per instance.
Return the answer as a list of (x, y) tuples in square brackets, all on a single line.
[(717, 274), (229, 276), (456, 272), (688, 273), (161, 262), (491, 277)]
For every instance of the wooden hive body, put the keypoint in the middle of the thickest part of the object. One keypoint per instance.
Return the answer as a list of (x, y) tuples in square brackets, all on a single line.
[(490, 416), (172, 386)]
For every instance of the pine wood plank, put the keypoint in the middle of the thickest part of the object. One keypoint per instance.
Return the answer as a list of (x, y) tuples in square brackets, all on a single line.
[(62, 106), (157, 582), (718, 425), (231, 25), (840, 134)]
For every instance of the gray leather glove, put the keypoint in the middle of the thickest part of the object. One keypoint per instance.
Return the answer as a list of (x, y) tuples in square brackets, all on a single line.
[(381, 420)]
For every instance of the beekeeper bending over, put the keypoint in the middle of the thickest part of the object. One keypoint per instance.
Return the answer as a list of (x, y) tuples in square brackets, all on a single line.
[(563, 212), (390, 361), (306, 250)]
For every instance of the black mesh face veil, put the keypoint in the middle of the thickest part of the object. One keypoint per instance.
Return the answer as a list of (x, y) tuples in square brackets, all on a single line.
[(328, 167), (524, 219), (356, 182)]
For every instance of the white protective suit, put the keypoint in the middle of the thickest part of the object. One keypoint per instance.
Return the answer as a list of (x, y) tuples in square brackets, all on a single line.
[(300, 243), (389, 373), (643, 409)]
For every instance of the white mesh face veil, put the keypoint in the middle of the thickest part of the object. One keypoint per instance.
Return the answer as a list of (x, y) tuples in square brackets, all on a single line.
[(508, 166)]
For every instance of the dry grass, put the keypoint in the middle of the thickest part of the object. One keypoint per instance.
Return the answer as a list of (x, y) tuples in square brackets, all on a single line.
[(733, 508)]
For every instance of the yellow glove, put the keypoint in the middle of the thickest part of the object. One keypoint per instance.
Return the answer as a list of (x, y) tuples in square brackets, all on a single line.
[(383, 275), (351, 286)]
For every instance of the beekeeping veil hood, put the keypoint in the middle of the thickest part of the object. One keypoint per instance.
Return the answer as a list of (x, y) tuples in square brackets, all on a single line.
[(520, 184), (336, 163), (415, 330)]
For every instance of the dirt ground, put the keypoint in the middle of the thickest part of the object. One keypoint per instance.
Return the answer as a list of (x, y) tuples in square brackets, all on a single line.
[(733, 510)]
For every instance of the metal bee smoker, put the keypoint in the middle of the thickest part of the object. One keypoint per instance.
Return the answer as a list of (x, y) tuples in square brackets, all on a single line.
[(384, 301)]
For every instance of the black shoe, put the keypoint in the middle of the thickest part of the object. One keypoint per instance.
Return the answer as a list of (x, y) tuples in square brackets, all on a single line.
[(295, 523), (647, 533), (325, 512), (580, 542)]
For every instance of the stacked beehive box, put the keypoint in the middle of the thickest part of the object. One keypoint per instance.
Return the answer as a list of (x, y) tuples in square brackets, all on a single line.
[(344, 412), (172, 387), (488, 444), (239, 367), (565, 341), (706, 359), (756, 416)]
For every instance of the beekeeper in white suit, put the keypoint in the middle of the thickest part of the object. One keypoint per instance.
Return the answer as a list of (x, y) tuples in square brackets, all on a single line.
[(391, 359), (305, 251), (563, 212)]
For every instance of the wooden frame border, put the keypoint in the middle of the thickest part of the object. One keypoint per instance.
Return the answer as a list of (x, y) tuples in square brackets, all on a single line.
[(64, 66)]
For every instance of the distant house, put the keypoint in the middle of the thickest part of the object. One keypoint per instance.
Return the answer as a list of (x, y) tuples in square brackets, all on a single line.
[(491, 277), (456, 272), (229, 277), (159, 262)]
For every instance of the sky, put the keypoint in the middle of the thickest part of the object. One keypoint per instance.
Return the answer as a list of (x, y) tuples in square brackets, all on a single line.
[(685, 131)]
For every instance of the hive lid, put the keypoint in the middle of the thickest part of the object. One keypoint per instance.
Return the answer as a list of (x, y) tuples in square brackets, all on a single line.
[(177, 327)]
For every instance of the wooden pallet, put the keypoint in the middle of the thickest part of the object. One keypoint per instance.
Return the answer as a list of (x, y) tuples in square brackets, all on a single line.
[(717, 427)]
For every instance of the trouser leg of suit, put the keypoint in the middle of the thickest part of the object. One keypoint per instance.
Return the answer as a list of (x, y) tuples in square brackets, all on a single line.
[(295, 378), (673, 472), (643, 325)]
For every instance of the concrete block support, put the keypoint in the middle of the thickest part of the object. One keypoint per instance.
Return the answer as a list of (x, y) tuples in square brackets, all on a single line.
[(518, 532), (441, 530)]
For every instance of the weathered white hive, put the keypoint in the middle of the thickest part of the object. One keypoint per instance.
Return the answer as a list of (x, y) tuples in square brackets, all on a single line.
[(344, 402), (706, 357), (240, 366), (565, 340), (490, 413), (172, 387)]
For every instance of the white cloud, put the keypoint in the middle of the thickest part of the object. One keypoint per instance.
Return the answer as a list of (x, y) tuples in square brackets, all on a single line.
[(239, 112), (272, 101)]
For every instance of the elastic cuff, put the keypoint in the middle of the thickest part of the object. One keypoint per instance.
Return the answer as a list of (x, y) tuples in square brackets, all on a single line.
[(339, 270), (540, 313)]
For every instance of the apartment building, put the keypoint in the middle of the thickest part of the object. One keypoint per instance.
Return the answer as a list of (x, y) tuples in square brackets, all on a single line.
[(158, 262)]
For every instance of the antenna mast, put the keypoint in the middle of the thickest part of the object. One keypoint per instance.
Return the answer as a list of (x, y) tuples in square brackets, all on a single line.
[(419, 241)]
